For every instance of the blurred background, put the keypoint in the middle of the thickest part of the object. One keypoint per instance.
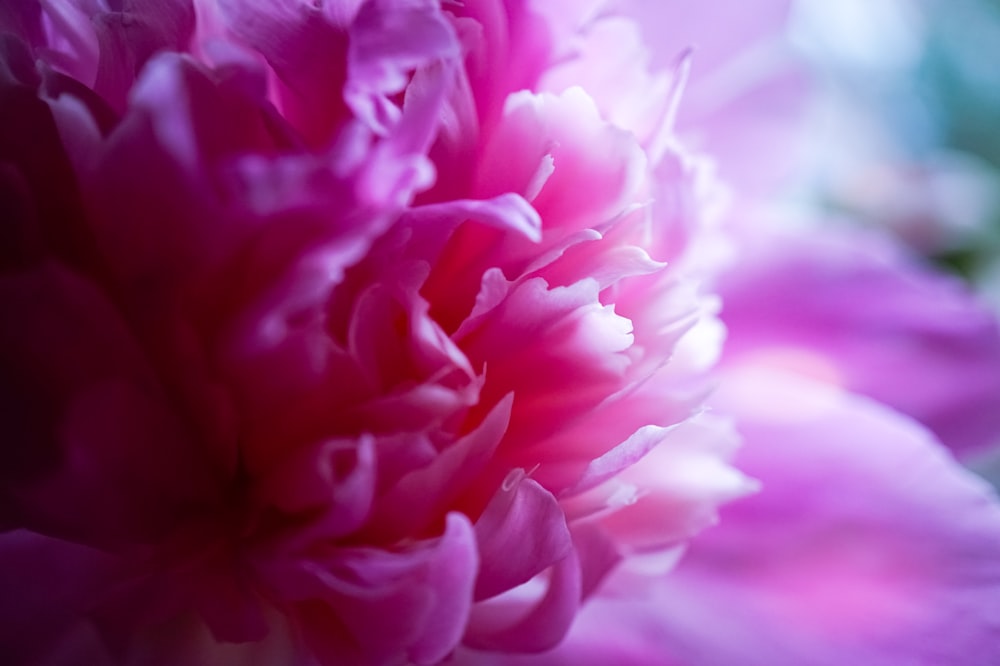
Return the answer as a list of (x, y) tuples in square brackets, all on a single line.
[(904, 127), (905, 124)]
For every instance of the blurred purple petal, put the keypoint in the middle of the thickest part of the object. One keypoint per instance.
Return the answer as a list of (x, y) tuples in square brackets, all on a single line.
[(867, 542), (853, 309)]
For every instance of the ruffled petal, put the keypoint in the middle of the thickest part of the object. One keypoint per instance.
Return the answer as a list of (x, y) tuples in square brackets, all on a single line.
[(334, 479), (667, 494), (306, 46), (345, 601), (563, 336), (388, 40), (421, 493)]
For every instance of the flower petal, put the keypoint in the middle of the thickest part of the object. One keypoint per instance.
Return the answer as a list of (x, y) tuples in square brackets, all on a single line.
[(345, 599), (851, 308), (532, 622), (521, 533), (866, 543), (129, 37), (48, 584)]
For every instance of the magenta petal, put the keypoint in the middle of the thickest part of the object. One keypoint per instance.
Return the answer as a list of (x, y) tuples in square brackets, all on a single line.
[(335, 478), (509, 212), (866, 542), (79, 396), (450, 580), (388, 40), (24, 19), (368, 606), (536, 624), (39, 193), (307, 48), (610, 632), (673, 492), (598, 552), (561, 348), (154, 197), (620, 458), (610, 62), (852, 309), (414, 500), (47, 584), (130, 37), (548, 146), (521, 533)]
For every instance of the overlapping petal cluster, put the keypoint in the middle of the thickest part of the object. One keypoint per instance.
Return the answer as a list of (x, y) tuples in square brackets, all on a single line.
[(386, 332), (340, 331)]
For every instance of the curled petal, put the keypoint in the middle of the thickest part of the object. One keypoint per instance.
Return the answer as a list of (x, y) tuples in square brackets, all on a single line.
[(336, 478), (528, 619), (508, 211), (345, 599), (521, 532)]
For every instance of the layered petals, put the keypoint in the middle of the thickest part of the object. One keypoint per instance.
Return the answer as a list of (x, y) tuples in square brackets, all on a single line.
[(382, 332), (344, 599), (312, 328)]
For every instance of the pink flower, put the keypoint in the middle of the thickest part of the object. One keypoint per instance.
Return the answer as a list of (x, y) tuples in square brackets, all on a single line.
[(338, 333), (379, 332)]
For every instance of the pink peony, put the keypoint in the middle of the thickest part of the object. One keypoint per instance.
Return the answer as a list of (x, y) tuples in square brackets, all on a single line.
[(339, 333), (382, 332)]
